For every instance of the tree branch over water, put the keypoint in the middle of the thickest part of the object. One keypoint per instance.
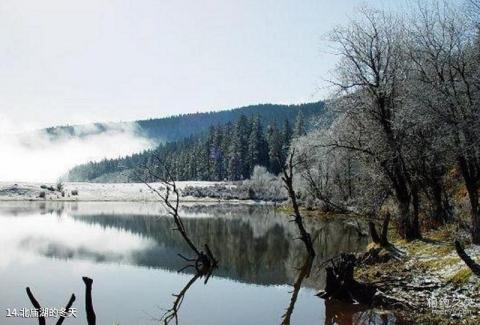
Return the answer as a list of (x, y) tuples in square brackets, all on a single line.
[(288, 173), (204, 262)]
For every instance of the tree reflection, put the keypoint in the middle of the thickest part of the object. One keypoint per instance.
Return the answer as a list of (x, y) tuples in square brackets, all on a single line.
[(172, 313), (341, 313), (303, 272)]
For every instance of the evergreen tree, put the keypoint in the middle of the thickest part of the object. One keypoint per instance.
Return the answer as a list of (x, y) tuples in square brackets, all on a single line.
[(227, 151), (287, 137), (299, 126), (275, 149), (242, 132), (234, 160), (257, 146), (287, 131)]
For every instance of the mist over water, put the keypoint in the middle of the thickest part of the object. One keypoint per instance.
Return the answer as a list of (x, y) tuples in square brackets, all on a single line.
[(39, 157)]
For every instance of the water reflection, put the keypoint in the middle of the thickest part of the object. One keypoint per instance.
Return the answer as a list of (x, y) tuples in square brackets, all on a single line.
[(303, 272), (172, 313), (255, 245)]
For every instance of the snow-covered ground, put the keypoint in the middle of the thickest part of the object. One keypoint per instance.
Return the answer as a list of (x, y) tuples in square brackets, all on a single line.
[(90, 191)]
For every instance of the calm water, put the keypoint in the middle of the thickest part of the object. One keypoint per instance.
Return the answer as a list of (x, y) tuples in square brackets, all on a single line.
[(130, 251)]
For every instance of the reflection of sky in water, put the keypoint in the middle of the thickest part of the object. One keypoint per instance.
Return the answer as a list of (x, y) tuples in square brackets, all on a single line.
[(22, 239), (50, 252)]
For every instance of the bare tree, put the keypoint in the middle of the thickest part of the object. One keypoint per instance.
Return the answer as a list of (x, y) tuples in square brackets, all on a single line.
[(444, 52), (371, 78)]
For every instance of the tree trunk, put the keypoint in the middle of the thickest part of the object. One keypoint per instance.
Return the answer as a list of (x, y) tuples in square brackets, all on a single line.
[(409, 226), (341, 284), (441, 213), (471, 176), (475, 216), (473, 197), (288, 183)]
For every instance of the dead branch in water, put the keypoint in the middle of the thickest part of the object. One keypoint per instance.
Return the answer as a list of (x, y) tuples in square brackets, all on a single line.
[(38, 308), (287, 178), (67, 309), (204, 262), (91, 317)]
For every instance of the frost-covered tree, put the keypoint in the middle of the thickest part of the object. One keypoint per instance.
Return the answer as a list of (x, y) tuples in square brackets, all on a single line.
[(444, 52), (371, 78)]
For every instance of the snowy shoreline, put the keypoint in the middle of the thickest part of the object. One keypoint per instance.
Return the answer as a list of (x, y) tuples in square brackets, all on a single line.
[(98, 192)]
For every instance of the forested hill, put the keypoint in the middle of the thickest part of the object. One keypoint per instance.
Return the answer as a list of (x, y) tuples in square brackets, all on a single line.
[(226, 150), (182, 126)]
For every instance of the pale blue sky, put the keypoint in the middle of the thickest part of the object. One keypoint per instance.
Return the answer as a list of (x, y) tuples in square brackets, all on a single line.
[(104, 60)]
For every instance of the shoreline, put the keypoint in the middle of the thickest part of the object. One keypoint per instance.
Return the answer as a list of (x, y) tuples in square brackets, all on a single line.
[(106, 192), (436, 286)]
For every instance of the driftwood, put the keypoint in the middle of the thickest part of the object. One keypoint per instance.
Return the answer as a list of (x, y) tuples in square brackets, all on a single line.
[(287, 178), (475, 267)]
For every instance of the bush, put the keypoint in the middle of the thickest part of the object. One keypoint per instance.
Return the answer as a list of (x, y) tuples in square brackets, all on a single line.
[(74, 192), (217, 191), (42, 195), (262, 186)]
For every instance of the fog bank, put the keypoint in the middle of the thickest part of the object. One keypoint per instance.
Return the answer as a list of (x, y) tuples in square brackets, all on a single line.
[(40, 157)]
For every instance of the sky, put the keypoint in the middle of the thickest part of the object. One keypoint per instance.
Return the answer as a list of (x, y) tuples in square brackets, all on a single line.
[(70, 62)]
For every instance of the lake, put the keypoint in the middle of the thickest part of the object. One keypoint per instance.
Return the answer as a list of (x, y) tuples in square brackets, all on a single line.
[(130, 251)]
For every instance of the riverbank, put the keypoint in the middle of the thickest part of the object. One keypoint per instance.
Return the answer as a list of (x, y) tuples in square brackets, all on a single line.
[(94, 192), (431, 280)]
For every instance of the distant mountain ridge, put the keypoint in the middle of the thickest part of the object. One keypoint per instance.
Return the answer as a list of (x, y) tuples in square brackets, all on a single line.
[(212, 146), (178, 127)]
